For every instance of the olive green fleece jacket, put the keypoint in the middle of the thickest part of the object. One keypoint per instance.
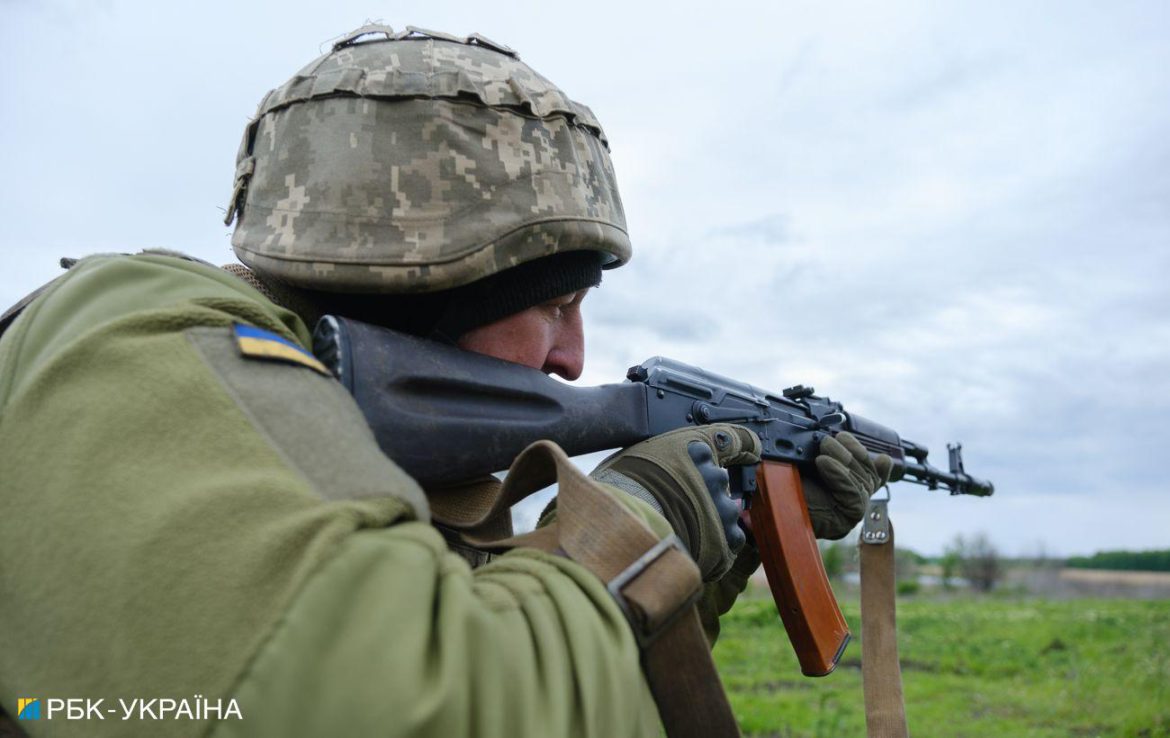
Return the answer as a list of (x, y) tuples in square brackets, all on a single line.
[(183, 521)]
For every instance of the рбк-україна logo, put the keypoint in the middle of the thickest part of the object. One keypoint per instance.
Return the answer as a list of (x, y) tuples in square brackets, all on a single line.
[(28, 708)]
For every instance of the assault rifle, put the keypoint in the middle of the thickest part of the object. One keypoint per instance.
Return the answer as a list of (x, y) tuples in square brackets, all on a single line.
[(486, 411)]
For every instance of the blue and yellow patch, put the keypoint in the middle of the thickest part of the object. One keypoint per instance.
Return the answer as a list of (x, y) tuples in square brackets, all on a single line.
[(255, 343)]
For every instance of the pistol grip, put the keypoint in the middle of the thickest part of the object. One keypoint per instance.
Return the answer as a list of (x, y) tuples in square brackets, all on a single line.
[(788, 549)]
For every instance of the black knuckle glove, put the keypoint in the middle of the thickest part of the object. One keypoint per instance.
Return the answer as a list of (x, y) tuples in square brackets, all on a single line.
[(682, 475)]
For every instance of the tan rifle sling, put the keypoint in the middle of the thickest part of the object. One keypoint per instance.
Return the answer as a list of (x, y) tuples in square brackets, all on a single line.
[(881, 674), (655, 582)]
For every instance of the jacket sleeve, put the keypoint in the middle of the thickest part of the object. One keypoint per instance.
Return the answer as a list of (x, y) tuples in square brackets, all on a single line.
[(186, 520)]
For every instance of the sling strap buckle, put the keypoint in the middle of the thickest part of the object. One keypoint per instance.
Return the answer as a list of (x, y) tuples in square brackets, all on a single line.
[(653, 605)]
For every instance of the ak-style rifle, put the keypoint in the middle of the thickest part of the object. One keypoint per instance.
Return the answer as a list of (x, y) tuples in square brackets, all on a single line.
[(448, 416)]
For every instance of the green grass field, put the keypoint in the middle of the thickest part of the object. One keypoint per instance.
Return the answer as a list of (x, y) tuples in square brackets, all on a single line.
[(970, 666)]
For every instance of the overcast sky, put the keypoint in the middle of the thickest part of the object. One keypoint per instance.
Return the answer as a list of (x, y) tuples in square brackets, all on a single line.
[(954, 218)]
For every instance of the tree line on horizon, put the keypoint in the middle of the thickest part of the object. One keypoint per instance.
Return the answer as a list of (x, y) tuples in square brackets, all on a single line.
[(1123, 560)]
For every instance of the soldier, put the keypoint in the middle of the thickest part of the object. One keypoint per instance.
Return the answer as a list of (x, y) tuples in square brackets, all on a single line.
[(196, 510)]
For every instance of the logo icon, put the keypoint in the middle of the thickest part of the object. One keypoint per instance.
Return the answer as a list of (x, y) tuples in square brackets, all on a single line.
[(28, 708)]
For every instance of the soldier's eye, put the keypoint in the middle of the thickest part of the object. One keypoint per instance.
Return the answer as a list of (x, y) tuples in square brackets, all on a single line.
[(559, 306)]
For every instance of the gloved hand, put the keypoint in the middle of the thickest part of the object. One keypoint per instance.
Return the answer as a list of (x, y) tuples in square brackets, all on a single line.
[(681, 474), (720, 595), (846, 477)]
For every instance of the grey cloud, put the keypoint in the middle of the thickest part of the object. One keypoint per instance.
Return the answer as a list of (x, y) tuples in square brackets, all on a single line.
[(665, 318), (772, 230), (938, 79)]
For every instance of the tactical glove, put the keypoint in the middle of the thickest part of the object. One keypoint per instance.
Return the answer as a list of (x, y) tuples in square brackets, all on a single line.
[(681, 474), (720, 595), (846, 477)]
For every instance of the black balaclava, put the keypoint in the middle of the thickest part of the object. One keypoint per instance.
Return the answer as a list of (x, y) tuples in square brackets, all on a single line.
[(448, 314)]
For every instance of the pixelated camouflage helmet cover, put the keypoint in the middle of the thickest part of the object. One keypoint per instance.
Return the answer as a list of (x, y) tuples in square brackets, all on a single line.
[(418, 161)]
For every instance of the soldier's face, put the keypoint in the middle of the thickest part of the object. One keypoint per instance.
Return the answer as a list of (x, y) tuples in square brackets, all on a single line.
[(548, 337)]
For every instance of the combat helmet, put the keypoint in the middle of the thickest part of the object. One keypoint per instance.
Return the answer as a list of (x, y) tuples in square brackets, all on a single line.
[(416, 161)]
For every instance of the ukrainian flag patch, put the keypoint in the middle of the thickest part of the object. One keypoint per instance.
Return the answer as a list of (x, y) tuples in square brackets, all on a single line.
[(255, 343)]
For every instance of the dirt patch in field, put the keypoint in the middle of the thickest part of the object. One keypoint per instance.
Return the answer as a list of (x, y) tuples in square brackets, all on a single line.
[(1157, 579), (1068, 583)]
